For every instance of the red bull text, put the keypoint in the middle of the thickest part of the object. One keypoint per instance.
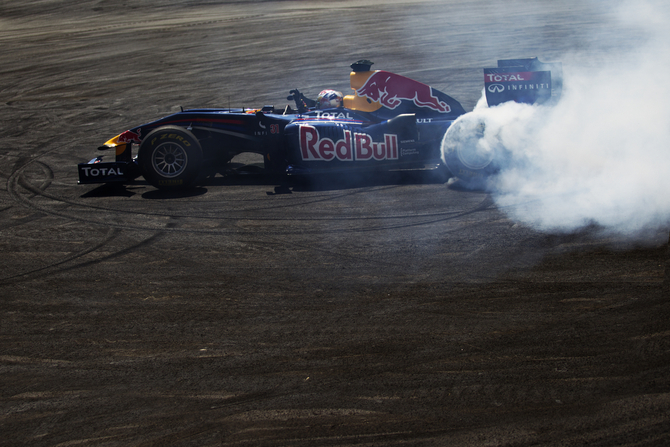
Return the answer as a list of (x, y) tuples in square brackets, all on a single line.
[(356, 147)]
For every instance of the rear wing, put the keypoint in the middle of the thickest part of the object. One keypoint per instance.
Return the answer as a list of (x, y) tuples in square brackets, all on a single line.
[(523, 80)]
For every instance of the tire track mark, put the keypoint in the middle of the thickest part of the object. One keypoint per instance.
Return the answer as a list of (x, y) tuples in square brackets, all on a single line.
[(280, 207), (262, 235), (17, 178), (432, 217), (18, 222), (111, 235), (51, 268)]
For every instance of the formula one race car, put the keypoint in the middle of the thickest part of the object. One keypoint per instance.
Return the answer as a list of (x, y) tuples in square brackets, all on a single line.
[(390, 122)]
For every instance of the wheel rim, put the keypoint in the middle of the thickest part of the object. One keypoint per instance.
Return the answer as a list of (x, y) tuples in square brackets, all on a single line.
[(474, 156), (465, 138), (169, 159)]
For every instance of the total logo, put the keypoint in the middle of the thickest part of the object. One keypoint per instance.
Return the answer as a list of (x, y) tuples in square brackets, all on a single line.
[(356, 147), (334, 115), (508, 77), (97, 172)]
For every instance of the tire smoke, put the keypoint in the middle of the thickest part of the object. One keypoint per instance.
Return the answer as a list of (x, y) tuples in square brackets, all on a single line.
[(600, 157)]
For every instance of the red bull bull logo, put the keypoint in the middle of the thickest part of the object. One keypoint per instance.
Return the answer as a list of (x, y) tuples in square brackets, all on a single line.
[(356, 147), (130, 137), (391, 89)]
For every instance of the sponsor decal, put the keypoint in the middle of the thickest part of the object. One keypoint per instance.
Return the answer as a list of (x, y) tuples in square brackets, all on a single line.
[(353, 147), (274, 130), (171, 136), (101, 172), (471, 174), (334, 115), (501, 82), (130, 137), (170, 182), (528, 87), (499, 88), (390, 89), (508, 77)]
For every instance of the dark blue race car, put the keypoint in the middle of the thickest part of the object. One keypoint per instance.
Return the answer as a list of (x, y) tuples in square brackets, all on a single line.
[(390, 122)]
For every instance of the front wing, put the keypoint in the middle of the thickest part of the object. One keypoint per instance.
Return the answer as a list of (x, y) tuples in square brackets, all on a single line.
[(97, 171)]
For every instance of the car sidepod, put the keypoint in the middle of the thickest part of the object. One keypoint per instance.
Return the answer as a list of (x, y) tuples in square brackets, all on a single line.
[(330, 145)]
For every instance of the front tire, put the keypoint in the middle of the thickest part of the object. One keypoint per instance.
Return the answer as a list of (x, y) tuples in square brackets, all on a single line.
[(170, 158)]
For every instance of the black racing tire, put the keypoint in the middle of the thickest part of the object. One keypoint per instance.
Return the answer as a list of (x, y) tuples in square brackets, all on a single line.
[(467, 155), (170, 158)]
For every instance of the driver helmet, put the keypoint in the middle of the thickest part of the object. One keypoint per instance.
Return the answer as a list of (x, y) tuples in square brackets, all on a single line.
[(328, 99)]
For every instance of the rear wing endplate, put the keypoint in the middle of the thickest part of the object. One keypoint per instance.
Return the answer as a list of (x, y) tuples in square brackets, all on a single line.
[(523, 80)]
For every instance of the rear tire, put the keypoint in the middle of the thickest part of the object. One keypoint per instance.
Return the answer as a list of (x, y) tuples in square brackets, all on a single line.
[(170, 158), (468, 155)]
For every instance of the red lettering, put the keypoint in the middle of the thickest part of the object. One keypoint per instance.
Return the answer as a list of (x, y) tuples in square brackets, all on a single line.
[(343, 148), (363, 146), (359, 147), (308, 139), (391, 146), (326, 149), (379, 151)]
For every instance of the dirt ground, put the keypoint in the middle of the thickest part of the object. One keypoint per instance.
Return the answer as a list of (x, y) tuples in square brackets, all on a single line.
[(392, 310)]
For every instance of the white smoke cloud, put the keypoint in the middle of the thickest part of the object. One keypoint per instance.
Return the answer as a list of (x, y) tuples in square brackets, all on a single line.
[(601, 156)]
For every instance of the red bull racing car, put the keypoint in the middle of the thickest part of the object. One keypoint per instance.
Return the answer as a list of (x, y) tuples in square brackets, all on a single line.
[(389, 122)]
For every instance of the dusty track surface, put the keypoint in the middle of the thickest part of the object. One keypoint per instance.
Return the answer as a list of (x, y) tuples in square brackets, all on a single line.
[(395, 310)]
